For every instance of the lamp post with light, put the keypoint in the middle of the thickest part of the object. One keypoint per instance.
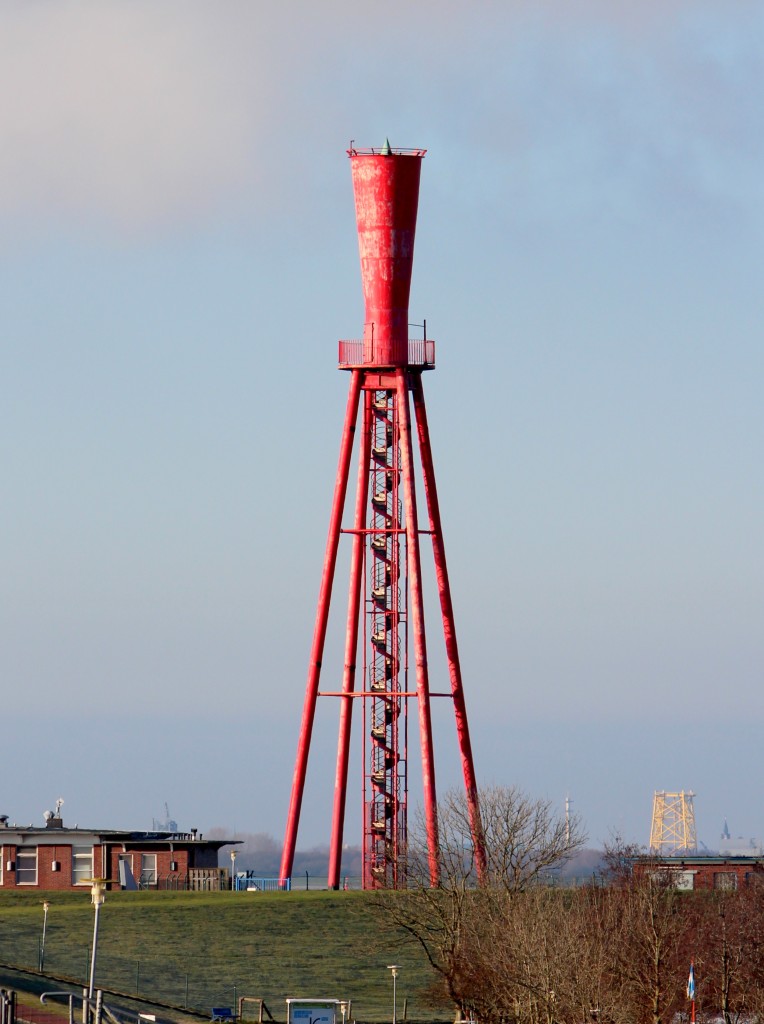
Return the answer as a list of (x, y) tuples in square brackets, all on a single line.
[(233, 870), (97, 897), (394, 968), (45, 909)]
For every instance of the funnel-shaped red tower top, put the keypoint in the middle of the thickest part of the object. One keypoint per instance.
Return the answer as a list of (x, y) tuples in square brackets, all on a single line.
[(386, 187)]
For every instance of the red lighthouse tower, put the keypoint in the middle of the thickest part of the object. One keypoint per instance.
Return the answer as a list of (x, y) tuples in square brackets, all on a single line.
[(385, 605)]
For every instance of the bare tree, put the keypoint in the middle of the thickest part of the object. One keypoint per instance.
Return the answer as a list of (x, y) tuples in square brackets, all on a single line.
[(728, 939), (524, 840), (652, 954), (510, 949), (467, 925), (553, 957)]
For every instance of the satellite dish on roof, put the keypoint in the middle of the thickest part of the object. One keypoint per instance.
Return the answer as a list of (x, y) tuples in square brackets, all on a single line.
[(47, 815)]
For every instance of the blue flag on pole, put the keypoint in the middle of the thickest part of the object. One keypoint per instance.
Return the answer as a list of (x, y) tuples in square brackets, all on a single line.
[(691, 983)]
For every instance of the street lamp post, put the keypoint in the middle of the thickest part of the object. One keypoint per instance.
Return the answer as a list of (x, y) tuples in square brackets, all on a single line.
[(394, 968), (45, 909), (233, 870), (97, 890)]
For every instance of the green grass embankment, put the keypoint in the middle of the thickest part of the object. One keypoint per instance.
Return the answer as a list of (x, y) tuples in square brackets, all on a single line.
[(199, 950)]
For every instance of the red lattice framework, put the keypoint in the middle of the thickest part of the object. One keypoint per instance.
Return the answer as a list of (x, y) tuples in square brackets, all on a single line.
[(385, 601)]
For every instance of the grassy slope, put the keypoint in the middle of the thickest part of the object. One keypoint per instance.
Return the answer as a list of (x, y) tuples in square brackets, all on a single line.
[(217, 946)]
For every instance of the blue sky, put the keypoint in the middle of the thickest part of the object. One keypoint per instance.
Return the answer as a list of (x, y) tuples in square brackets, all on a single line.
[(177, 260)]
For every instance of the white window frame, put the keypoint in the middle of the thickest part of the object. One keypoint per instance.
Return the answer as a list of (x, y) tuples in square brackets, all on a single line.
[(26, 852), (684, 881), (82, 865), (149, 876)]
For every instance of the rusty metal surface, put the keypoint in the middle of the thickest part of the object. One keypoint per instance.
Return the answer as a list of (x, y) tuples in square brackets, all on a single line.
[(386, 189)]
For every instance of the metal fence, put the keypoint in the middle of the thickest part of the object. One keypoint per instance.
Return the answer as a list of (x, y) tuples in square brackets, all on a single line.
[(196, 880), (250, 881), (243, 881), (195, 983), (209, 967), (158, 981)]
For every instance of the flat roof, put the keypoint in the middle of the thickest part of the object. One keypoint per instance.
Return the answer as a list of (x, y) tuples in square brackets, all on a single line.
[(114, 835)]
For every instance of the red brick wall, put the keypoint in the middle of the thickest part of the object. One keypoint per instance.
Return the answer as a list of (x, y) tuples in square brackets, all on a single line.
[(9, 877), (705, 874), (713, 874), (165, 860), (47, 878)]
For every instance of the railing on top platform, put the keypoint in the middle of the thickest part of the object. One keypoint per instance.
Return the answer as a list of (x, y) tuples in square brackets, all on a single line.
[(357, 352)]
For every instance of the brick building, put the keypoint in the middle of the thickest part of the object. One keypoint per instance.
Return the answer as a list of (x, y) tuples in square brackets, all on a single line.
[(55, 857), (698, 871)]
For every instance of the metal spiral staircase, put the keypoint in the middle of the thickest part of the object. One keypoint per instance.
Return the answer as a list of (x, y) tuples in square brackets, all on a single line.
[(385, 710)]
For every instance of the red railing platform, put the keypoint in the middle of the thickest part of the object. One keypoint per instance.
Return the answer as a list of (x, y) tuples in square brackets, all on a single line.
[(357, 352)]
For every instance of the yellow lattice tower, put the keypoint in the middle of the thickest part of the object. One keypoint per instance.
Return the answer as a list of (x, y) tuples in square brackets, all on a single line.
[(673, 827)]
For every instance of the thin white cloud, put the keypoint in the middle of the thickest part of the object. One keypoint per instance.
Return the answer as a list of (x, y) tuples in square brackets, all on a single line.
[(147, 113), (129, 110)]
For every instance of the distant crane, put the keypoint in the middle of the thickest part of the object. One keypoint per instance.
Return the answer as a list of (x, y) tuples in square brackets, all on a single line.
[(673, 825), (568, 802), (168, 825)]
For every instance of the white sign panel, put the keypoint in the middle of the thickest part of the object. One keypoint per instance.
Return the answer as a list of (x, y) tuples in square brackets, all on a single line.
[(312, 1011)]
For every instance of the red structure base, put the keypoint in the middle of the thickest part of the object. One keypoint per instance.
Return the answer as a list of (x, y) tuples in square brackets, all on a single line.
[(385, 539)]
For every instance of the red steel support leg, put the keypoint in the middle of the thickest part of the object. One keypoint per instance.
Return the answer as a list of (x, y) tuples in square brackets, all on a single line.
[(414, 570), (319, 633), (351, 651), (449, 628)]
